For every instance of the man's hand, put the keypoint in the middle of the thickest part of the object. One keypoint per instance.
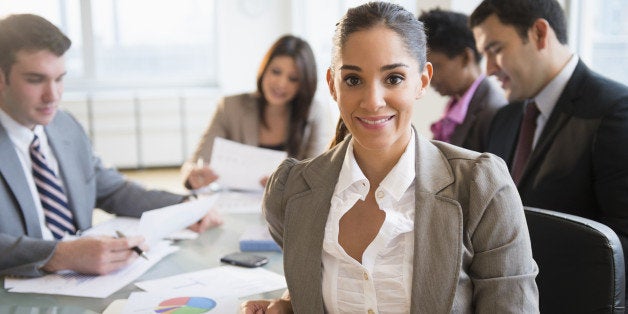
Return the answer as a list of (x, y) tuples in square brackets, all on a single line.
[(94, 255), (212, 219)]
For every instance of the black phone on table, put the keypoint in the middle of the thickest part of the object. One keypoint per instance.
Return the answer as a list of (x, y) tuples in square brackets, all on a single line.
[(244, 259)]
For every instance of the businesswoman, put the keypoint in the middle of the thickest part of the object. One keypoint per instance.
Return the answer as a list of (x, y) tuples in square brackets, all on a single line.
[(282, 114), (387, 221)]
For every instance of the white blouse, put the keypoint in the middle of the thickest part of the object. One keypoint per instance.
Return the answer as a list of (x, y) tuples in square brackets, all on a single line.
[(383, 282)]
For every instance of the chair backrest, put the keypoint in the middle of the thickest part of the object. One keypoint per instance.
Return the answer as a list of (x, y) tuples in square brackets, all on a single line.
[(581, 263)]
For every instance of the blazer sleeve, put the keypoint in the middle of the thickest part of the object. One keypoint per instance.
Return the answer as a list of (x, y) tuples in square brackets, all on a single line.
[(274, 203), (503, 270), (24, 255), (217, 128), (321, 131)]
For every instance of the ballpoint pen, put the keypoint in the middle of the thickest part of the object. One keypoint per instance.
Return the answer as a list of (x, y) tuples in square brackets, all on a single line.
[(136, 249)]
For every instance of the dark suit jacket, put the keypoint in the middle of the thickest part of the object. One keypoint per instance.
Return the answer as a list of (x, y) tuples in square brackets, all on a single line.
[(473, 132), (580, 163), (471, 245), (87, 183)]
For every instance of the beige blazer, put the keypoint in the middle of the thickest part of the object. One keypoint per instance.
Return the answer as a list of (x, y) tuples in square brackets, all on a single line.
[(472, 247), (236, 118)]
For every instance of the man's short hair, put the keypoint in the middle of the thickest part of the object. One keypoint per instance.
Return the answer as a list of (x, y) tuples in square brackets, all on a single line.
[(449, 33), (521, 14), (28, 32)]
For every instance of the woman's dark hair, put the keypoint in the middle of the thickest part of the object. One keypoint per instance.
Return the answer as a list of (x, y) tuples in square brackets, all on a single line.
[(521, 14), (367, 16), (448, 32), (301, 52), (28, 32)]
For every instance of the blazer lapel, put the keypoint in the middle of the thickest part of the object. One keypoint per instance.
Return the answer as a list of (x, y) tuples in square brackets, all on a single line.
[(11, 170), (250, 130), (438, 234), (475, 104), (562, 113), (69, 171), (305, 229)]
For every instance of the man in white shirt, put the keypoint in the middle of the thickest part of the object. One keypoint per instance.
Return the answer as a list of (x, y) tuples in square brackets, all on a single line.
[(577, 140), (50, 179)]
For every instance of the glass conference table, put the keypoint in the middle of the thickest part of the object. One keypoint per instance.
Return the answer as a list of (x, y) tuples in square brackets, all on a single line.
[(201, 253)]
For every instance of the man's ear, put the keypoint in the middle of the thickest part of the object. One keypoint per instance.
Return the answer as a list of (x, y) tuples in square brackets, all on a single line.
[(539, 33), (330, 84), (468, 57)]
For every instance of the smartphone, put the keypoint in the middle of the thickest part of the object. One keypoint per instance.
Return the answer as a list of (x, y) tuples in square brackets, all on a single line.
[(244, 259)]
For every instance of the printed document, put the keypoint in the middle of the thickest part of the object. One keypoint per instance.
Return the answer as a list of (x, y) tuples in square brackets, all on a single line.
[(81, 285), (229, 281), (241, 166)]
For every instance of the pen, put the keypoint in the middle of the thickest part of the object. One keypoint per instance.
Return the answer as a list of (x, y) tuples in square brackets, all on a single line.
[(135, 248)]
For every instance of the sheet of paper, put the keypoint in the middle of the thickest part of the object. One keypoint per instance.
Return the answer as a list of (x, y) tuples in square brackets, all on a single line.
[(130, 225), (192, 301), (239, 202), (241, 166), (230, 281), (159, 223), (71, 283)]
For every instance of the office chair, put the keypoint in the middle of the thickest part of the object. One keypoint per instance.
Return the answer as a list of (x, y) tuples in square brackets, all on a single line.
[(581, 263)]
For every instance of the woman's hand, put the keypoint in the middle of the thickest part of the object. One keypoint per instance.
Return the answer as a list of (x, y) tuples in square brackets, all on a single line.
[(276, 306), (200, 177)]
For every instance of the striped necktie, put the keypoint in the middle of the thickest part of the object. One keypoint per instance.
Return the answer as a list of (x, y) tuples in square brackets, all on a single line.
[(53, 199)]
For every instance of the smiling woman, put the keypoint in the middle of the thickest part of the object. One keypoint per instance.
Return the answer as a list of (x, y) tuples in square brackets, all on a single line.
[(384, 213)]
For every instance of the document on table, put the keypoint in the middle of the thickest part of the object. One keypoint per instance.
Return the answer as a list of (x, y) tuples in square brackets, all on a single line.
[(235, 202), (159, 223), (191, 301), (228, 281), (241, 166), (71, 283)]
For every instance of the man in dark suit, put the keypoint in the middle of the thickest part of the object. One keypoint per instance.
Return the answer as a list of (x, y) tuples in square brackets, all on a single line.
[(564, 134), (50, 178), (474, 99)]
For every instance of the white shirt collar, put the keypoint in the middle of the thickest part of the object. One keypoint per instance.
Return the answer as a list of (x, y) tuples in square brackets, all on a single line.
[(547, 98), (396, 181), (20, 135)]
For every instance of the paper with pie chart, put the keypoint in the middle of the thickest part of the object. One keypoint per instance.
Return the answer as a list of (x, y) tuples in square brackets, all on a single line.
[(192, 302)]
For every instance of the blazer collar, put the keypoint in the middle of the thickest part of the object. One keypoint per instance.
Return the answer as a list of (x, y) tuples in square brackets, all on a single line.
[(11, 170), (68, 160), (562, 113)]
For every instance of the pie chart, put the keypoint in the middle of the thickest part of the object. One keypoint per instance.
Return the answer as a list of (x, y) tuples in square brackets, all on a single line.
[(185, 305)]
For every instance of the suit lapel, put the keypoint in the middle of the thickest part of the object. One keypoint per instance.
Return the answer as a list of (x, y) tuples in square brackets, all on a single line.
[(438, 234), (69, 171), (250, 130), (475, 104), (11, 171), (305, 229), (562, 113)]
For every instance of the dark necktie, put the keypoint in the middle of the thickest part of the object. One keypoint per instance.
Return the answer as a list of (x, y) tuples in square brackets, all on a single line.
[(524, 144), (53, 199)]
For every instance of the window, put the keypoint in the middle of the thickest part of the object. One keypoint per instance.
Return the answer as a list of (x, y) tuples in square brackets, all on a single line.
[(132, 43), (600, 36)]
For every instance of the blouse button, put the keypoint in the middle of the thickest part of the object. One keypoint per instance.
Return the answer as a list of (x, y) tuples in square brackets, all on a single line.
[(380, 194), (370, 311), (366, 276)]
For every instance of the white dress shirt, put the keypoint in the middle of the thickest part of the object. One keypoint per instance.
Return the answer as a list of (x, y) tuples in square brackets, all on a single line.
[(22, 137), (548, 96), (383, 282)]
